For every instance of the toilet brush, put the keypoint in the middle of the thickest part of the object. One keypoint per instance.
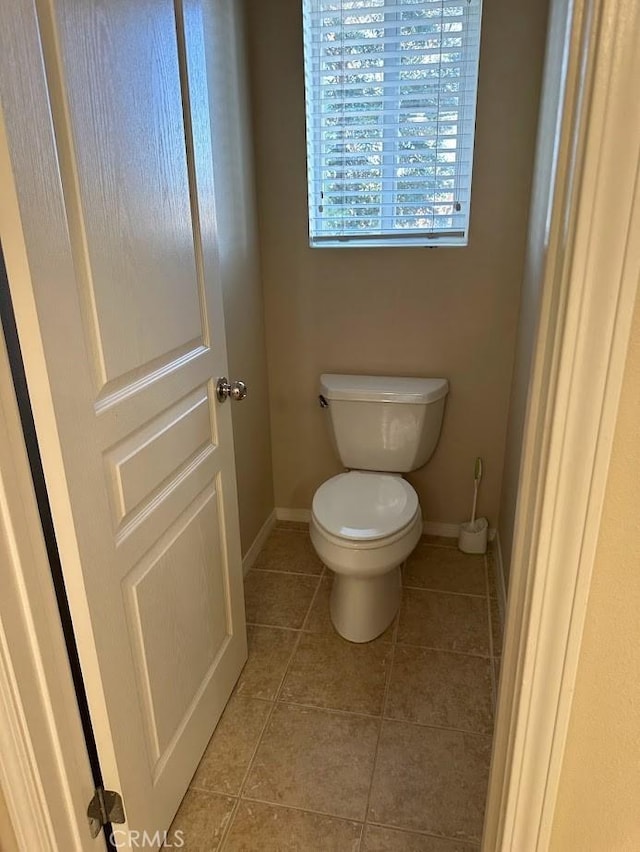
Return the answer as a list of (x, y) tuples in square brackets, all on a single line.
[(477, 476), (472, 537)]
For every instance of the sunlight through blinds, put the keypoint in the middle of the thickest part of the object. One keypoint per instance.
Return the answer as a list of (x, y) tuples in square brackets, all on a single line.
[(390, 109)]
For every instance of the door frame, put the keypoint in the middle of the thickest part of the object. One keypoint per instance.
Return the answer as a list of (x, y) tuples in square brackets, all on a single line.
[(588, 294), (45, 772), (589, 291)]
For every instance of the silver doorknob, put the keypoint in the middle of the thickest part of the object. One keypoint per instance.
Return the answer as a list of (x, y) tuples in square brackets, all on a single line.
[(226, 389)]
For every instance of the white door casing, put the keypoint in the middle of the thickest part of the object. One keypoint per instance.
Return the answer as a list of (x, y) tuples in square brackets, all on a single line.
[(589, 290), (119, 310)]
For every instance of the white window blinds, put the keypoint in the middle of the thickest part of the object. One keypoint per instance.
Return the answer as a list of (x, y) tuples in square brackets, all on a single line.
[(390, 104)]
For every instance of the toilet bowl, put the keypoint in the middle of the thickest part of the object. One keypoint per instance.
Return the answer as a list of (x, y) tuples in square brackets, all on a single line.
[(366, 522), (363, 527)]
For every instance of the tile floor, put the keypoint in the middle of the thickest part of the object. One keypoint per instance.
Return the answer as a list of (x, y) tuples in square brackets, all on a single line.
[(326, 745)]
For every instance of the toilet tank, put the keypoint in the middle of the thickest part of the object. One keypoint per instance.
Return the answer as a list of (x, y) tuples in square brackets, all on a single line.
[(384, 423)]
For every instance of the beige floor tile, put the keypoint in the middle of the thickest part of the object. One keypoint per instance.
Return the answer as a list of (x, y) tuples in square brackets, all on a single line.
[(281, 600), (266, 828), (431, 780), (226, 760), (378, 839), (440, 620), (327, 671), (442, 689), (315, 760), (289, 550), (496, 628), (270, 650), (319, 619), (445, 569), (200, 821)]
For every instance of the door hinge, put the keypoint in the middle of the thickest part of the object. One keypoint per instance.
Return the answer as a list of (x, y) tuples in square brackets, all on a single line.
[(106, 806)]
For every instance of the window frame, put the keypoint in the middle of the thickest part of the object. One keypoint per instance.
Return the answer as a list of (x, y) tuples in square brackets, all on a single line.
[(391, 235)]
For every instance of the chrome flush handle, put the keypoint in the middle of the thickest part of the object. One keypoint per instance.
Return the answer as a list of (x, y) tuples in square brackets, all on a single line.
[(234, 390)]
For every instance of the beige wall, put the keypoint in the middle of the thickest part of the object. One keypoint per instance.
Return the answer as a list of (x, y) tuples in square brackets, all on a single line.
[(413, 311), (541, 197), (598, 807), (240, 263)]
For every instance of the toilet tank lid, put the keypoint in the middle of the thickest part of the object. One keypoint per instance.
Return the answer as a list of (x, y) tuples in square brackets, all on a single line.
[(382, 388)]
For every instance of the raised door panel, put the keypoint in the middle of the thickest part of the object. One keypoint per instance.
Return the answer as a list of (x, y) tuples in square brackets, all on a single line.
[(179, 621), (121, 81), (151, 459)]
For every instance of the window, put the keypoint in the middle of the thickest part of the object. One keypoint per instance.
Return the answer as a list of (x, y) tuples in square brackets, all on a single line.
[(390, 103)]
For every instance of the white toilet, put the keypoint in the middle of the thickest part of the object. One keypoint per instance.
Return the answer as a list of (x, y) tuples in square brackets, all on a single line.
[(366, 522)]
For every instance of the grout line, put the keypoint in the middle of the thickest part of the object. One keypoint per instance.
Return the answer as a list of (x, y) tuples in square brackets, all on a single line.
[(236, 805), (444, 650), (313, 601), (405, 829), (445, 592), (313, 574), (336, 711), (232, 816), (297, 642), (396, 627), (287, 807), (378, 640), (301, 810), (387, 687), (273, 626), (245, 778), (437, 727), (469, 843), (200, 789)]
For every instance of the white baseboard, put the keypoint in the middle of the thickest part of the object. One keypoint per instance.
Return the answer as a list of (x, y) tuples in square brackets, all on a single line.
[(428, 527), (302, 516), (251, 555), (502, 587), (440, 528), (449, 530)]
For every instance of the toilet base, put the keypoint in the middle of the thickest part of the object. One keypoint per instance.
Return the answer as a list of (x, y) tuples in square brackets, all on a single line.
[(362, 608)]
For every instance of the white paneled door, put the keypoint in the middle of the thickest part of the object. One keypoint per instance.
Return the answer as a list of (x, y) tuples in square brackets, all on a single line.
[(109, 231)]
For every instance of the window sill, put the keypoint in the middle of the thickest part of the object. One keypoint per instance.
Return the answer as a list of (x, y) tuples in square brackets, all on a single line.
[(408, 242)]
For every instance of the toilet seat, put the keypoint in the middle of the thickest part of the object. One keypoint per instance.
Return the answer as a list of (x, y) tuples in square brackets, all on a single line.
[(361, 508)]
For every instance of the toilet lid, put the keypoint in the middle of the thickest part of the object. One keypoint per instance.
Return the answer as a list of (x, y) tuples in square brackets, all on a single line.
[(363, 506)]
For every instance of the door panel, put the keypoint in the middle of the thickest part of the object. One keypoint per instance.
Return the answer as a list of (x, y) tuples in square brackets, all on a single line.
[(178, 621), (121, 78), (143, 462), (123, 335)]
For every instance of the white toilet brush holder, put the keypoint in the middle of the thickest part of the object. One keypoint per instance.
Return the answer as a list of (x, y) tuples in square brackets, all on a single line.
[(472, 537)]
